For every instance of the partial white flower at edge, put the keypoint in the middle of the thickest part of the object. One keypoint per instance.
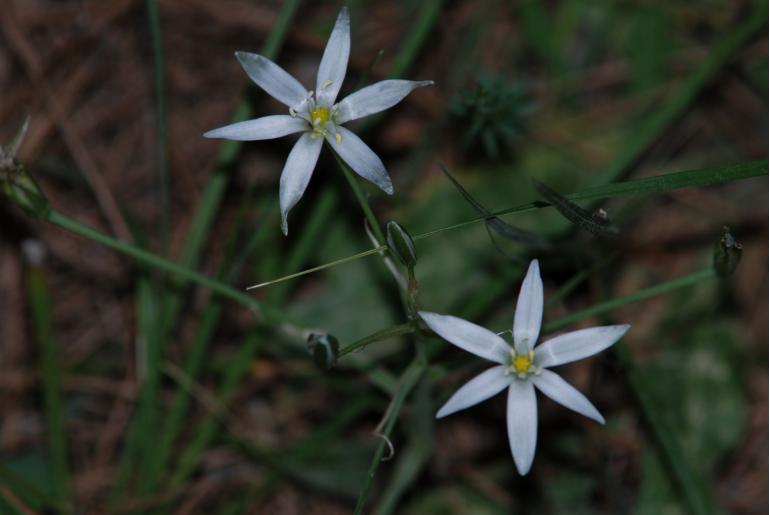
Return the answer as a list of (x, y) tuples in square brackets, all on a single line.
[(523, 367), (317, 116)]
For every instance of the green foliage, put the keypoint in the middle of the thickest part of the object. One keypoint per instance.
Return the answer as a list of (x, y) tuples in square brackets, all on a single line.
[(493, 115), (693, 387)]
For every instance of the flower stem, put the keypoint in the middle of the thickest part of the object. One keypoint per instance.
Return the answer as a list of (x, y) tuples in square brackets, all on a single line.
[(368, 213), (390, 332)]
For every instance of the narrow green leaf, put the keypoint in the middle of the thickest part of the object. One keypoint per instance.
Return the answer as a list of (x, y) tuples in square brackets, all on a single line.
[(604, 307), (160, 119), (689, 480), (207, 429), (53, 401), (408, 381), (494, 223), (28, 492), (384, 334)]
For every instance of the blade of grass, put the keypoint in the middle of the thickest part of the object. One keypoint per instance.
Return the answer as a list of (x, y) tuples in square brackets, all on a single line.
[(660, 183), (203, 220), (148, 371), (9, 506), (653, 291), (492, 222), (708, 176), (194, 363), (287, 463), (384, 334), (696, 494), (653, 126), (408, 381), (148, 258), (160, 120), (577, 279), (416, 454), (418, 33), (206, 430), (27, 492), (40, 305)]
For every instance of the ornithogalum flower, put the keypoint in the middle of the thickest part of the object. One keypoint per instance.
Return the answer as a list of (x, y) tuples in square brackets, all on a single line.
[(317, 116), (523, 367)]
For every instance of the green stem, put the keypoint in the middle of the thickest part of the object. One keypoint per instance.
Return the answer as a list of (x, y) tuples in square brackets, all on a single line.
[(656, 184), (147, 258), (390, 332), (362, 201)]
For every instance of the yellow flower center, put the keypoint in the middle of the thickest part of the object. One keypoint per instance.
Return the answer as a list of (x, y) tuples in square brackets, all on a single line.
[(522, 364), (319, 116)]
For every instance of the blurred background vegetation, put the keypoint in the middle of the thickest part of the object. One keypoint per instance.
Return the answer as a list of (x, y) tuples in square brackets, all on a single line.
[(128, 390)]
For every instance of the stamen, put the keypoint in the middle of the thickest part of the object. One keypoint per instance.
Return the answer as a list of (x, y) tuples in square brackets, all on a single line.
[(319, 116), (338, 138), (326, 84)]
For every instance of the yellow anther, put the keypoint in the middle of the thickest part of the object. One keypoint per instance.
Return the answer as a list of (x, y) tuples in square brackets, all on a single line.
[(338, 138), (522, 364), (319, 115)]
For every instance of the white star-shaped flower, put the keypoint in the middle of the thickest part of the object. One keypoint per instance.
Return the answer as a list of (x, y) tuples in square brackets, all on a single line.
[(317, 116), (522, 367)]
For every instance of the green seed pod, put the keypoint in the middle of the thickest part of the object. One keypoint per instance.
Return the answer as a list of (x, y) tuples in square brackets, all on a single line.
[(401, 244), (727, 254), (21, 188), (16, 183), (325, 349)]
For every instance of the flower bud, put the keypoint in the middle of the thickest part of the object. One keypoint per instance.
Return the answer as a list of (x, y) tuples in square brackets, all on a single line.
[(325, 349), (401, 244), (21, 188), (727, 254)]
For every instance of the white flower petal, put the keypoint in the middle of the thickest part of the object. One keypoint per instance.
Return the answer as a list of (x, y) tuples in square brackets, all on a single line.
[(529, 310), (375, 98), (488, 383), (522, 424), (267, 127), (469, 337), (360, 157), (578, 344), (551, 384), (296, 173), (272, 78), (334, 63)]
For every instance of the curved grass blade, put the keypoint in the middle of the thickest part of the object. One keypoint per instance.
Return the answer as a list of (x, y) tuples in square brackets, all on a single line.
[(591, 222), (408, 381), (656, 184), (494, 223)]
